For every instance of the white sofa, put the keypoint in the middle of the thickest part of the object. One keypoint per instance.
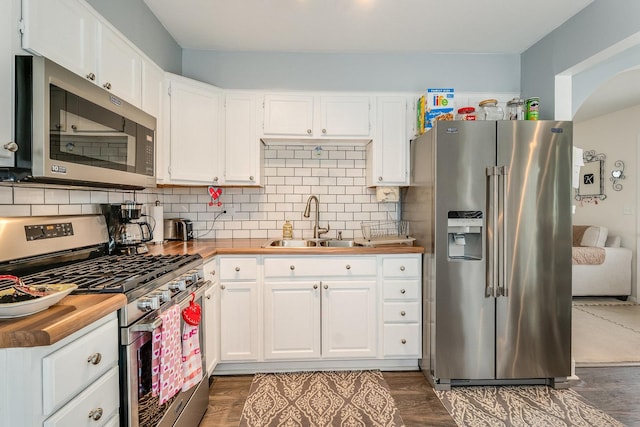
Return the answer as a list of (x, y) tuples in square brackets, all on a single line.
[(612, 277)]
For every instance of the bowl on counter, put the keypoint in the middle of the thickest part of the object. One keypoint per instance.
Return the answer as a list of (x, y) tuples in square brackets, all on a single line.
[(36, 304)]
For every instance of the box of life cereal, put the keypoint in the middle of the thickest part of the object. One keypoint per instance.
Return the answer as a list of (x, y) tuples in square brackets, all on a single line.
[(440, 106)]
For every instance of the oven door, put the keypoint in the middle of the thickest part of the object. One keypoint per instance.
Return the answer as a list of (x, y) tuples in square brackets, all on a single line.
[(142, 408)]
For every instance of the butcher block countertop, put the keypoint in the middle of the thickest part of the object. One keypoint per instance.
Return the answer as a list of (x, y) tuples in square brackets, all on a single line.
[(57, 322), (211, 247)]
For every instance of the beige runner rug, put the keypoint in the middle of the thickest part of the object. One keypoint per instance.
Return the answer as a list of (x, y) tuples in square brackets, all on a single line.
[(508, 406), (320, 399)]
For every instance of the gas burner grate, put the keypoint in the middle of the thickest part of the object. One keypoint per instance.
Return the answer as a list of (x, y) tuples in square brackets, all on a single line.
[(110, 274)]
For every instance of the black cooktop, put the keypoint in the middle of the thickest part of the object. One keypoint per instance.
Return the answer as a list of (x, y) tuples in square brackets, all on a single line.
[(109, 274)]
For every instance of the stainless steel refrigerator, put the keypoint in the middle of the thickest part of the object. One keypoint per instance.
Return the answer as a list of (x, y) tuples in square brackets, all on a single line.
[(491, 203)]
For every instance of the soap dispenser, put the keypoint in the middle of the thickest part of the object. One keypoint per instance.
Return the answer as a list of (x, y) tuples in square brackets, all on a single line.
[(287, 230)]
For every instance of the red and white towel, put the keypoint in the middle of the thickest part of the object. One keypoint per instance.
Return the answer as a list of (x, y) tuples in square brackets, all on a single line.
[(170, 355), (191, 358)]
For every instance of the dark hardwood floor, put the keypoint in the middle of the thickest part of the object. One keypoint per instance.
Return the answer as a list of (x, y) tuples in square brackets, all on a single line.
[(616, 391)]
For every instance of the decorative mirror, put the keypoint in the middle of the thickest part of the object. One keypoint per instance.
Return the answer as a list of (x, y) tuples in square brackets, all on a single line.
[(592, 177), (617, 174)]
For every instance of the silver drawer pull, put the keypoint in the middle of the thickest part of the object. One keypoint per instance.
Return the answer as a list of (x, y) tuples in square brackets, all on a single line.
[(348, 267), (237, 268), (208, 297), (402, 291), (107, 85), (403, 341), (94, 359), (326, 286), (402, 268), (315, 286), (292, 267), (402, 313), (223, 287), (251, 178), (213, 272), (95, 414)]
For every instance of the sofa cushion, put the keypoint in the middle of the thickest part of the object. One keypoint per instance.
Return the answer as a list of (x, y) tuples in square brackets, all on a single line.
[(613, 242), (594, 236)]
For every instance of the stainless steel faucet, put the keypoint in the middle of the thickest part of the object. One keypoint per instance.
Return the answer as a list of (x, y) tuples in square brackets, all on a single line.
[(317, 231)]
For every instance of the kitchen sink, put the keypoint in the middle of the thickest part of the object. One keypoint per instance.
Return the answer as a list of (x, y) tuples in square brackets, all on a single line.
[(302, 243)]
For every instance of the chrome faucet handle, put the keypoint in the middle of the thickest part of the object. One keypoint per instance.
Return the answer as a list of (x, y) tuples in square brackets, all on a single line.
[(323, 230), (339, 235)]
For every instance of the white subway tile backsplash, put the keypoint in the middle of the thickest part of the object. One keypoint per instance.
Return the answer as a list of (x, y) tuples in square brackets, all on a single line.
[(15, 210), (28, 195), (70, 209), (54, 196), (6, 195), (42, 210)]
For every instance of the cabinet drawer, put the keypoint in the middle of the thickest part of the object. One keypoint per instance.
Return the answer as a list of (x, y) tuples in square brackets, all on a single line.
[(402, 340), (401, 267), (402, 312), (322, 267), (238, 268), (101, 400), (403, 290), (72, 368)]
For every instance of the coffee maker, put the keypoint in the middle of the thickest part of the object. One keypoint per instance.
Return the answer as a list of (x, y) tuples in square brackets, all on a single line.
[(127, 233)]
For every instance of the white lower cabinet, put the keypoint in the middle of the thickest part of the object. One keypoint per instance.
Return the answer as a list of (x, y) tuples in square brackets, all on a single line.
[(239, 305), (74, 382), (212, 316)]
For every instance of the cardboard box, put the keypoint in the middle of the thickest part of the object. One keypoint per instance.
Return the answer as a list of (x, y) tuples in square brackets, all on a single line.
[(439, 101)]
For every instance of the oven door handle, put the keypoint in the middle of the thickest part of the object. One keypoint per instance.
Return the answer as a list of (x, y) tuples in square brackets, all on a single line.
[(147, 327)]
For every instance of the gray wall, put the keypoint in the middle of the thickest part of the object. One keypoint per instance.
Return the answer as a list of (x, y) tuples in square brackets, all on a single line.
[(600, 25), (134, 19), (354, 72)]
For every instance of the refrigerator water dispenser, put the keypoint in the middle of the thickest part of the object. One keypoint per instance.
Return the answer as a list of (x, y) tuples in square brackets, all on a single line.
[(464, 235)]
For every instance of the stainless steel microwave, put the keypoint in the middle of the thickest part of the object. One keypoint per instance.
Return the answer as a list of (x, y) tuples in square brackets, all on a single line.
[(71, 131)]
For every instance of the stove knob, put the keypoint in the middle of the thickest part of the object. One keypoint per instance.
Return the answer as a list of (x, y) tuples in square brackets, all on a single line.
[(149, 303), (177, 285), (163, 296)]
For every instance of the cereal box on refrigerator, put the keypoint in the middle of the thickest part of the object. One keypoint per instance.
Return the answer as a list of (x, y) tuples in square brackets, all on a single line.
[(440, 106)]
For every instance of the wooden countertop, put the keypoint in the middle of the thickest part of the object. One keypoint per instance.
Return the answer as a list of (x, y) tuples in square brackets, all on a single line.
[(211, 247), (49, 326)]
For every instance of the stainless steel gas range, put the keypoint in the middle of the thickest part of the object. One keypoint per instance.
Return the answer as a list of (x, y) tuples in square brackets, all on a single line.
[(74, 249)]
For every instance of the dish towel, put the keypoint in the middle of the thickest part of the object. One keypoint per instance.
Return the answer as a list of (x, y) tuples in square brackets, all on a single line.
[(191, 359), (170, 355), (156, 346)]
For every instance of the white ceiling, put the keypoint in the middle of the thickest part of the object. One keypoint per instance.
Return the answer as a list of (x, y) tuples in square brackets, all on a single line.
[(364, 26)]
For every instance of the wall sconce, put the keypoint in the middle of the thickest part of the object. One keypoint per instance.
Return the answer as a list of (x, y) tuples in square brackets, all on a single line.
[(617, 174)]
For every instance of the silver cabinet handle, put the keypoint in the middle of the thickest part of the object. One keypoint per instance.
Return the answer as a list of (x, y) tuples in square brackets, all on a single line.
[(95, 414), (237, 268), (251, 178), (402, 268), (292, 267), (215, 179), (213, 272), (402, 291), (309, 131), (348, 267), (403, 313), (208, 297), (326, 286), (403, 341), (223, 287), (324, 131), (11, 146), (94, 359), (107, 85), (379, 178), (91, 76), (315, 286)]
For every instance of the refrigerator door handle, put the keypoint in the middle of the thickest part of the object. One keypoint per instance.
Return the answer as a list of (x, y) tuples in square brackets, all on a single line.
[(503, 288), (492, 235)]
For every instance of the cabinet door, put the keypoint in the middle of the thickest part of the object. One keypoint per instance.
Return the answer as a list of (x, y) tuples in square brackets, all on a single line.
[(194, 146), (292, 320), (349, 319), (288, 115), (63, 31), (391, 143), (7, 25), (238, 321), (212, 331), (242, 146), (344, 116), (152, 103), (119, 66)]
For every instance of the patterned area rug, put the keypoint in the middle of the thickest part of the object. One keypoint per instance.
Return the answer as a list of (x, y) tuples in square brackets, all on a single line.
[(320, 399), (521, 406)]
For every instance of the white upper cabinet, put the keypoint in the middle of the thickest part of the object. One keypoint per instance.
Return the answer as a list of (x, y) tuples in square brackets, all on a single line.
[(119, 66), (7, 28), (243, 149), (71, 34), (309, 116), (194, 143), (345, 116), (288, 115), (152, 102), (388, 153)]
